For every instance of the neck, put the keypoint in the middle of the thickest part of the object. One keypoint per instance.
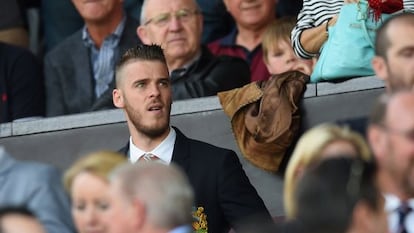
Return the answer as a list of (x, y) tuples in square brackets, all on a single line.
[(179, 62), (388, 185), (175, 64), (143, 141), (250, 37), (99, 30)]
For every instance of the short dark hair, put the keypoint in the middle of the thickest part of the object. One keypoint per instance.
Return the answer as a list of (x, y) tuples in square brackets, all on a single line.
[(141, 52), (382, 41), (377, 116), (328, 193)]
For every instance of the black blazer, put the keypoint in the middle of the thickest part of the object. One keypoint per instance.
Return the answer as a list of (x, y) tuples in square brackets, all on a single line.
[(219, 182)]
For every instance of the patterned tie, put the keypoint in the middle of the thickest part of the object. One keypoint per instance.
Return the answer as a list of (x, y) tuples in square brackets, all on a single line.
[(403, 211), (148, 157)]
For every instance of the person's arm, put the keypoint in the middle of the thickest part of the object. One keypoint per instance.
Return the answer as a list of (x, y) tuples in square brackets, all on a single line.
[(312, 39), (238, 197), (50, 202), (54, 97), (309, 33)]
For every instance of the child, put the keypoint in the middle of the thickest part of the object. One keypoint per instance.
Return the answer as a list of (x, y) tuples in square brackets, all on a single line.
[(278, 53)]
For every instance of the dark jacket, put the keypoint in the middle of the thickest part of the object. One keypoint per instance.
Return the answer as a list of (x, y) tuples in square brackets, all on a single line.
[(220, 184), (209, 75), (68, 74), (21, 84)]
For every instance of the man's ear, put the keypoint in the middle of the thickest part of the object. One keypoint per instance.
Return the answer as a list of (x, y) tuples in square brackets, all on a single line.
[(376, 139), (117, 98), (226, 2), (380, 68), (143, 34), (141, 214)]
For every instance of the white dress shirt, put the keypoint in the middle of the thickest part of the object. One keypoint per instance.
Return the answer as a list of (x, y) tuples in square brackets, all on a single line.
[(163, 151), (392, 203)]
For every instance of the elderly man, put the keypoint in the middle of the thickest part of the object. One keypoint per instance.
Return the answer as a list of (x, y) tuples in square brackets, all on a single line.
[(391, 136), (79, 72), (251, 17), (195, 72), (149, 197)]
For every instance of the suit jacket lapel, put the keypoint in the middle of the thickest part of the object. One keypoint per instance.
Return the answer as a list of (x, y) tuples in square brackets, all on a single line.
[(80, 58), (181, 152)]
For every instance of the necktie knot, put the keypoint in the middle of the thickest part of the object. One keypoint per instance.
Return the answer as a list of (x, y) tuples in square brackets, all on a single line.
[(147, 157)]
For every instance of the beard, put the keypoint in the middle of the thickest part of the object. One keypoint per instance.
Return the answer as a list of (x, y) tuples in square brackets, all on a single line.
[(151, 131)]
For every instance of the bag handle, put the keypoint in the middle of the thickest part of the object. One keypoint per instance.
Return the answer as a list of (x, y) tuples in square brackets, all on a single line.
[(364, 17)]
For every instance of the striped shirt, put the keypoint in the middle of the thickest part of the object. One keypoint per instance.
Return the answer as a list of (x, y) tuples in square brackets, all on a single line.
[(103, 59), (315, 13)]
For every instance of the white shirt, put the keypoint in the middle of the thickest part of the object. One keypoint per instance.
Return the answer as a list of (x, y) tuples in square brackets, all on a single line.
[(163, 151), (392, 203)]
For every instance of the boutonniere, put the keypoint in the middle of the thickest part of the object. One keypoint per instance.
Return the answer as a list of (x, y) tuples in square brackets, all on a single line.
[(199, 220)]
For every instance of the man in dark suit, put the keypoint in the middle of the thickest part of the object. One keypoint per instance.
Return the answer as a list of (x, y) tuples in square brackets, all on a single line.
[(177, 26), (222, 189), (79, 72)]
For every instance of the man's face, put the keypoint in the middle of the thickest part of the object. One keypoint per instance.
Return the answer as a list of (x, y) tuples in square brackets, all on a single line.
[(397, 69), (395, 151), (174, 25), (251, 13), (98, 11), (144, 93), (121, 216)]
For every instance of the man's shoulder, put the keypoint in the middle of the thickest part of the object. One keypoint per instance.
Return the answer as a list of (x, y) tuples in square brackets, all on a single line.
[(34, 170), (223, 64), (200, 148), (66, 47)]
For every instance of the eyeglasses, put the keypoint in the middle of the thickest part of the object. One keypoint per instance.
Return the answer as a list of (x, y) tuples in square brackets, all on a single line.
[(183, 15)]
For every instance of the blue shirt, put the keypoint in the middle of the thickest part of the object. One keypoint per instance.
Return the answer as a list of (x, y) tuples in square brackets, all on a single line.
[(103, 59)]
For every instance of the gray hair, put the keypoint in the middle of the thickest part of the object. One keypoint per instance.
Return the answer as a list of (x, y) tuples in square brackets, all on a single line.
[(164, 190)]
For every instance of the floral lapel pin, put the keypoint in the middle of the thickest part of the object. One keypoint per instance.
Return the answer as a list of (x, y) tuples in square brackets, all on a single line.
[(199, 220)]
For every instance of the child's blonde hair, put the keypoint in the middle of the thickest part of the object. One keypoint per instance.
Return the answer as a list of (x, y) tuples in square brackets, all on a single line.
[(279, 29)]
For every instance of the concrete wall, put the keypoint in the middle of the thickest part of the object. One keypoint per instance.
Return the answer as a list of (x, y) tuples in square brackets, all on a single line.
[(61, 140)]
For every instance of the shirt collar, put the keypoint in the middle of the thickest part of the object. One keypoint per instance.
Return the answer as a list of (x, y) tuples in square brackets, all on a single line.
[(190, 63), (163, 151), (87, 39), (392, 202)]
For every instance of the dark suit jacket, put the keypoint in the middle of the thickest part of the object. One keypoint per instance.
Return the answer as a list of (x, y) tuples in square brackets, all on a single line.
[(22, 92), (68, 74), (210, 74), (219, 181)]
